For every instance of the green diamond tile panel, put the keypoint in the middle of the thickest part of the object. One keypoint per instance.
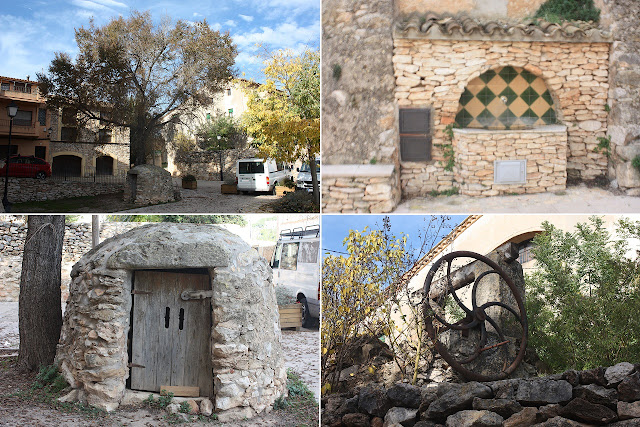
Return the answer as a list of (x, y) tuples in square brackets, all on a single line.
[(529, 117), (507, 118), (508, 74), (547, 97), (486, 118), (549, 117), (509, 94), (486, 77), (486, 96), (528, 76), (529, 95), (465, 97), (463, 118)]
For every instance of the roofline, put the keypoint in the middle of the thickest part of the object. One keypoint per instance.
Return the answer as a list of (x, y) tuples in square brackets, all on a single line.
[(14, 79), (439, 248)]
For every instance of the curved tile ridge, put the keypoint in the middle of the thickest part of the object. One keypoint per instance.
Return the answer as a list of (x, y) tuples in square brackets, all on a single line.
[(439, 27)]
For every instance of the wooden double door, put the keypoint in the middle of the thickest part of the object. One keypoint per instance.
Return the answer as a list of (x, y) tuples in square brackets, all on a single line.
[(170, 335)]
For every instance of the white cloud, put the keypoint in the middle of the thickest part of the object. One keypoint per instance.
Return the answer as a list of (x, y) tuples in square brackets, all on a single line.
[(287, 35), (247, 18), (111, 3), (230, 23), (91, 5)]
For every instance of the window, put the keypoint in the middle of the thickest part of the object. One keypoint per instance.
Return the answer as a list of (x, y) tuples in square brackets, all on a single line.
[(41, 152), (228, 92), (5, 86), (230, 112), (415, 134), (69, 117), (289, 260), (525, 251), (276, 257), (250, 167), (42, 116), (23, 118), (104, 116), (104, 135), (208, 116), (68, 134), (309, 252)]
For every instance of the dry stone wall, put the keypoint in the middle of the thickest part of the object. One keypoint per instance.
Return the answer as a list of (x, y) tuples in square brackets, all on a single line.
[(77, 242), (545, 151), (34, 190), (434, 73), (90, 151), (599, 396), (206, 164), (148, 185)]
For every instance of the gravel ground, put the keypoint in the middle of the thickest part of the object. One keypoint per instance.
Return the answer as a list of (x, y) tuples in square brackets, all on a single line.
[(301, 353), (208, 199)]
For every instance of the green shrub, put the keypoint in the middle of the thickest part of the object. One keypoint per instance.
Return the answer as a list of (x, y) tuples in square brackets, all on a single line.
[(189, 178), (568, 10), (288, 182), (636, 163), (582, 301)]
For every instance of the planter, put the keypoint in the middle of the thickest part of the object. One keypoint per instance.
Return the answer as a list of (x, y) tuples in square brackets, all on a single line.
[(229, 189), (190, 185), (291, 316), (280, 191)]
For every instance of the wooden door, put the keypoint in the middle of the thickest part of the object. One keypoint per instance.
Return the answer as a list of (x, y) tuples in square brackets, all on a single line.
[(170, 339)]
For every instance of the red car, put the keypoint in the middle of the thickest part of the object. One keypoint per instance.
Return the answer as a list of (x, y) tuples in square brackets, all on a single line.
[(27, 166)]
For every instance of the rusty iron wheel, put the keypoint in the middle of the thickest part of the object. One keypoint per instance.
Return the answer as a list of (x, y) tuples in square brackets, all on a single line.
[(475, 317)]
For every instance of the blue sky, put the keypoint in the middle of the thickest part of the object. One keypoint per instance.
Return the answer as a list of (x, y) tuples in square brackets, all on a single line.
[(336, 227), (32, 30)]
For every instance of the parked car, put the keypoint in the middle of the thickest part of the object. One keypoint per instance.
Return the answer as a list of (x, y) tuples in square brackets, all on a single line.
[(303, 181), (27, 166), (260, 175), (296, 265)]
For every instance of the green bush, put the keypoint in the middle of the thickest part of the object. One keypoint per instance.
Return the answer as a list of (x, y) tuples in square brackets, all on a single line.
[(287, 182), (582, 301), (568, 10), (636, 163), (189, 178)]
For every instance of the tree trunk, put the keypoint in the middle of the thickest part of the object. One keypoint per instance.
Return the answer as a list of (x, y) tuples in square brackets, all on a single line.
[(314, 179), (138, 145), (39, 308), (95, 230)]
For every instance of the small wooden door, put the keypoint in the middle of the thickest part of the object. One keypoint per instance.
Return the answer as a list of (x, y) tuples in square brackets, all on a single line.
[(170, 340)]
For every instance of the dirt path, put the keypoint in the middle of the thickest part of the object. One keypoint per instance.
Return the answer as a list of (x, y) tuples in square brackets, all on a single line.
[(300, 349)]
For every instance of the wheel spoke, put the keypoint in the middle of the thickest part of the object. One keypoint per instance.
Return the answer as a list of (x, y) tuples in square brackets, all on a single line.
[(503, 305), (475, 286)]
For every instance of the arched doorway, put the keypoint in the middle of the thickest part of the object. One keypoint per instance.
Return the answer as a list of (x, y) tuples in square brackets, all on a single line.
[(104, 165), (67, 165), (506, 98)]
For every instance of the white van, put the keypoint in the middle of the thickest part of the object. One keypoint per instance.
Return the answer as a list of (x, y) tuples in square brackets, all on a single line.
[(260, 175), (296, 265), (304, 181)]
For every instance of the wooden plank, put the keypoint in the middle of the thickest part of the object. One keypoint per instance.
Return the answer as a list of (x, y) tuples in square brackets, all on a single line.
[(145, 336), (181, 391), (291, 316), (166, 288)]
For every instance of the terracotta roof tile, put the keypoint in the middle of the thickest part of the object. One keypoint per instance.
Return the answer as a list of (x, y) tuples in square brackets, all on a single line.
[(439, 27)]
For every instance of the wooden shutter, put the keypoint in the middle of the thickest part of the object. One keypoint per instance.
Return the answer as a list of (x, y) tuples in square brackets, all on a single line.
[(415, 134)]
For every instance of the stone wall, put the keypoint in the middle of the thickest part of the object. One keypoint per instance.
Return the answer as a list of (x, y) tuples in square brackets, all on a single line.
[(206, 164), (359, 188), (88, 152), (624, 119), (77, 242), (544, 149), (599, 396), (31, 190), (245, 351), (434, 73)]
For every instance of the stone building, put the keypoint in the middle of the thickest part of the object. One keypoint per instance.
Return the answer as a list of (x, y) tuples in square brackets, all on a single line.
[(473, 96), (196, 295), (87, 149)]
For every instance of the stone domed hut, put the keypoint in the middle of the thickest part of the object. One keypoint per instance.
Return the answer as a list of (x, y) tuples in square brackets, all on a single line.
[(174, 305)]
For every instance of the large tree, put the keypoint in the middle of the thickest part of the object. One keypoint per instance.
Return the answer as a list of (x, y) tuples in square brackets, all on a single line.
[(39, 309), (284, 113), (221, 133), (140, 75)]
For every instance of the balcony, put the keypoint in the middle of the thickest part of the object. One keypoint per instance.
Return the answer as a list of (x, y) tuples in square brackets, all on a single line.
[(20, 94), (19, 128)]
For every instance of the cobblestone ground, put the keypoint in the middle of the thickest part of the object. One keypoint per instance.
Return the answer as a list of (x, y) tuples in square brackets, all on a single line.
[(208, 198), (578, 199)]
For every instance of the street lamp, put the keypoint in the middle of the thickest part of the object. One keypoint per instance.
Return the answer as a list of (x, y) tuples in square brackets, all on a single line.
[(12, 110), (220, 154)]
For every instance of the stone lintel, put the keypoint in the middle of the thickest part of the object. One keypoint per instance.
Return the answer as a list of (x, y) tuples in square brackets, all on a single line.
[(357, 171)]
